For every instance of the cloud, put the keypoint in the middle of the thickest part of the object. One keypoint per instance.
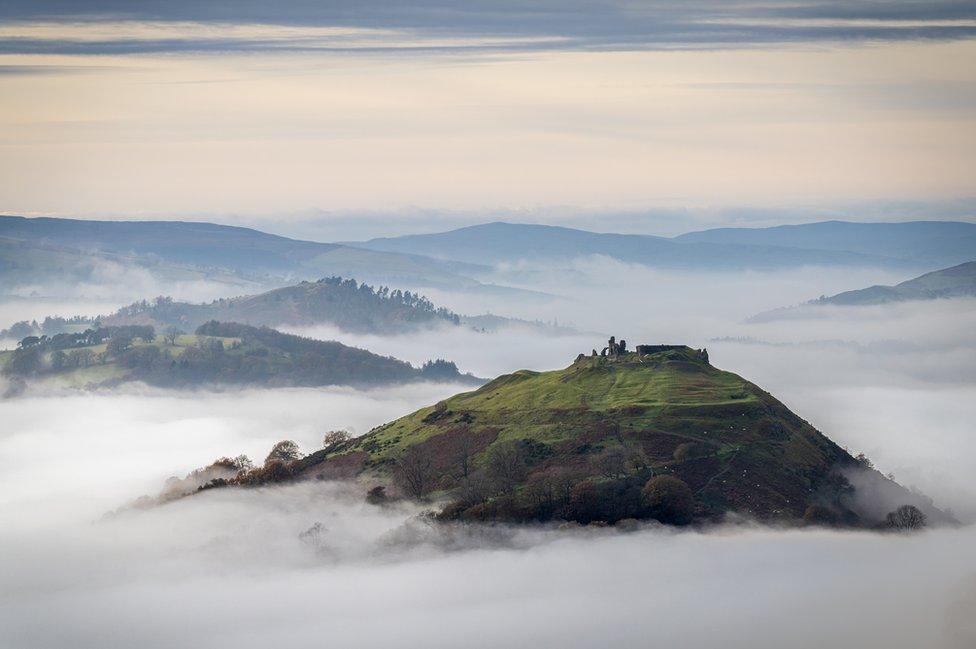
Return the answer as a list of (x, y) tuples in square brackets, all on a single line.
[(234, 567), (451, 27)]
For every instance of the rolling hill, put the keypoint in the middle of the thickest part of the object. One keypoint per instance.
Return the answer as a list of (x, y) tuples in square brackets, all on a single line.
[(210, 248), (583, 442), (346, 304), (958, 281), (933, 244), (217, 354), (492, 243)]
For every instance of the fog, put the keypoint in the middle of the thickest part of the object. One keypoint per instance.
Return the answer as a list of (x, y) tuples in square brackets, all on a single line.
[(250, 568), (232, 568)]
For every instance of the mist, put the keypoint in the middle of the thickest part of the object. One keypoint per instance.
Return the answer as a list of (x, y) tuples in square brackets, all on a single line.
[(309, 563), (233, 567)]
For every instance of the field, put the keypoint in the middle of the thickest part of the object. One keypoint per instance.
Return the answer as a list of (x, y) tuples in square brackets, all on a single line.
[(106, 369)]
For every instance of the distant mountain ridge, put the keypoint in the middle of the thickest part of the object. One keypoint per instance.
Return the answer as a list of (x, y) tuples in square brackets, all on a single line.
[(492, 243), (956, 282), (943, 243), (225, 250)]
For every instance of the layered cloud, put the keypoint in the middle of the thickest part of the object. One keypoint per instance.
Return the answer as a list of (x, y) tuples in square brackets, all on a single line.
[(449, 26)]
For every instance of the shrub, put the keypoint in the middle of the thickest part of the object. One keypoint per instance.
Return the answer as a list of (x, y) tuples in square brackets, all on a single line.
[(669, 500), (377, 495)]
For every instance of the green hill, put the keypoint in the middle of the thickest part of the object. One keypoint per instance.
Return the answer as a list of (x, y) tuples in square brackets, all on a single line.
[(347, 304), (582, 442), (218, 354)]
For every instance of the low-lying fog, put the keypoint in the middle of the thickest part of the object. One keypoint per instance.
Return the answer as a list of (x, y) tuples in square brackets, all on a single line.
[(232, 568)]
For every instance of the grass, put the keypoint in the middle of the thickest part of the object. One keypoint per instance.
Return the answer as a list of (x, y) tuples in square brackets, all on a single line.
[(734, 431), (560, 405), (99, 373)]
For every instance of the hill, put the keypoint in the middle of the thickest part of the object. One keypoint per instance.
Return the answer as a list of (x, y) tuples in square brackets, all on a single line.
[(211, 248), (500, 242), (217, 354), (587, 443), (346, 304), (27, 263), (929, 243), (955, 282)]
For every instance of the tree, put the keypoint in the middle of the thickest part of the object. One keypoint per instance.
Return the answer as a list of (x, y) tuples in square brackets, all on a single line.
[(24, 362), (669, 500), (59, 360), (284, 451), (28, 341), (118, 344), (906, 518), (334, 438), (172, 333), (506, 465), (614, 461), (463, 450), (414, 472)]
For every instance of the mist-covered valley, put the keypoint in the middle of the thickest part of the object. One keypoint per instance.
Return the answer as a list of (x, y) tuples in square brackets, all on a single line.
[(487, 324), (287, 563), (313, 560)]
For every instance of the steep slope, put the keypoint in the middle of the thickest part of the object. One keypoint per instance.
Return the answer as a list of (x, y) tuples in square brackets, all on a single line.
[(347, 304), (496, 242), (580, 444), (933, 243), (955, 282)]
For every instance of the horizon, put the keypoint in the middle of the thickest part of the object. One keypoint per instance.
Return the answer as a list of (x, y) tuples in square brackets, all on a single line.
[(306, 230), (653, 118)]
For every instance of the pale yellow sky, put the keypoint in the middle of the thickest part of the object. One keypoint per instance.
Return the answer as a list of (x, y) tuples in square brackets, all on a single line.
[(284, 132)]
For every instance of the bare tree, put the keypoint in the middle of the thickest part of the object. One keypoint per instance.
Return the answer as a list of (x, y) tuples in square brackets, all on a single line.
[(414, 472), (463, 451), (506, 465), (906, 518), (172, 333)]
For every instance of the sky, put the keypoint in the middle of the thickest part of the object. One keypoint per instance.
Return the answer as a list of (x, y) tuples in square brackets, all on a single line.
[(648, 116)]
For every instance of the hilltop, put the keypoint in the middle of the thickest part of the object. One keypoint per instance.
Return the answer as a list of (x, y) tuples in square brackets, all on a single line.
[(583, 443), (216, 354), (955, 282), (344, 303)]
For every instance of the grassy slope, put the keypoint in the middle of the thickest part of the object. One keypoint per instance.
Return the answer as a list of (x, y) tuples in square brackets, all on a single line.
[(656, 405), (99, 373)]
